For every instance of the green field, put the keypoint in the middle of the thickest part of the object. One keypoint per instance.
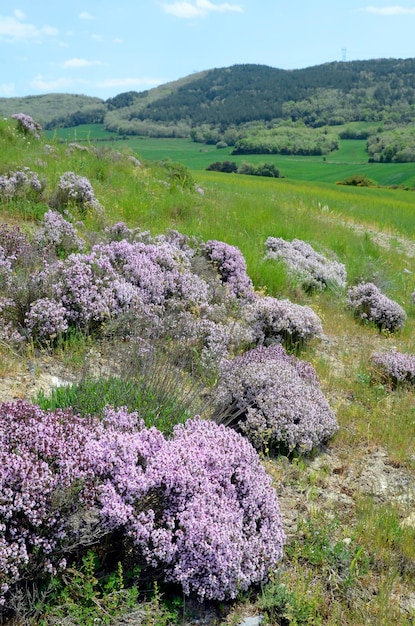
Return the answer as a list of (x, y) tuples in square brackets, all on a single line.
[(349, 160)]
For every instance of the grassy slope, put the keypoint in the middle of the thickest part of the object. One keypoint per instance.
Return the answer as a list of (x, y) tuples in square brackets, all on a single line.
[(244, 211)]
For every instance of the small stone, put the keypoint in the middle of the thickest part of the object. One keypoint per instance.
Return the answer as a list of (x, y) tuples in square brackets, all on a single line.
[(256, 620)]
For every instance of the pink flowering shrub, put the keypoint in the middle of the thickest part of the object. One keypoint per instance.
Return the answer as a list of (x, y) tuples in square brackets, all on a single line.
[(43, 465), (27, 125), (370, 305), (394, 367), (59, 234), (273, 320), (314, 270), (211, 522), (75, 191), (275, 400), (46, 320), (231, 267), (21, 183), (198, 509), (14, 242)]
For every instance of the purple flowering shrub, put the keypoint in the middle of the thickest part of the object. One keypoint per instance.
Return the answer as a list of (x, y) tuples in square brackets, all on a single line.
[(59, 234), (46, 320), (370, 305), (275, 400), (201, 507), (27, 125), (231, 267), (14, 242), (22, 183), (75, 191), (209, 337), (282, 321), (394, 368), (314, 270), (42, 458), (197, 509)]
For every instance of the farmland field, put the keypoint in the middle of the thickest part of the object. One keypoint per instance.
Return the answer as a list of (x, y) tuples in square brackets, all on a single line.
[(350, 160)]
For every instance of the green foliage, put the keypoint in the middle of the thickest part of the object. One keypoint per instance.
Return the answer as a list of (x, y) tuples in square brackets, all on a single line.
[(288, 139), (288, 608), (85, 595), (158, 407), (228, 167), (396, 145), (358, 180)]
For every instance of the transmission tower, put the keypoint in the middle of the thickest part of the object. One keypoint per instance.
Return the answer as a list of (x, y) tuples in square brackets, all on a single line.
[(344, 53)]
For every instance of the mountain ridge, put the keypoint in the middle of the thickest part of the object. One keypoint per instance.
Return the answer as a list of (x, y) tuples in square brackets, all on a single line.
[(328, 94)]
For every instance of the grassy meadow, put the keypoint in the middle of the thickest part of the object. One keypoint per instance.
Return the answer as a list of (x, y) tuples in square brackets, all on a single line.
[(350, 558), (349, 160)]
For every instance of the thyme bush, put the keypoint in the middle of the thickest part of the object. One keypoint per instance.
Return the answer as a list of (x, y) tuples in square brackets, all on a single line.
[(314, 270), (197, 509), (369, 304), (275, 400), (394, 367)]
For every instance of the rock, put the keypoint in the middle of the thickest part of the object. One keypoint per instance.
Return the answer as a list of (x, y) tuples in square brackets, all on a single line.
[(256, 620)]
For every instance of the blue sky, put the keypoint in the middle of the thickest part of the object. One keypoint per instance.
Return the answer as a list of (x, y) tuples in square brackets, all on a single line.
[(105, 47)]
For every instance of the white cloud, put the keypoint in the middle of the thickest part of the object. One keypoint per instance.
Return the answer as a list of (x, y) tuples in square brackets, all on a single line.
[(50, 30), (198, 8), (19, 14), (96, 37), (80, 63), (392, 10), (44, 85), (128, 82), (39, 83), (7, 89), (12, 28), (86, 16), (117, 40)]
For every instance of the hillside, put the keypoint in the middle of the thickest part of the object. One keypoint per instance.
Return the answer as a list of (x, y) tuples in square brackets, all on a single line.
[(379, 90), (135, 297)]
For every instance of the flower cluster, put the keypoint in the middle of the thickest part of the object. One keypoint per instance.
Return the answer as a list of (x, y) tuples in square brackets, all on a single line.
[(395, 367), (42, 457), (58, 233), (46, 320), (314, 270), (231, 267), (199, 507), (202, 508), (369, 304), (282, 321), (75, 190), (14, 242), (276, 399), (19, 183), (27, 125)]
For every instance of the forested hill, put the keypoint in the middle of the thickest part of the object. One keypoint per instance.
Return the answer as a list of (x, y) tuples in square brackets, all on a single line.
[(325, 93), (227, 98)]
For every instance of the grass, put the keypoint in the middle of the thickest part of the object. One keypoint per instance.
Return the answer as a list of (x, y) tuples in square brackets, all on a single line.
[(349, 160), (346, 564)]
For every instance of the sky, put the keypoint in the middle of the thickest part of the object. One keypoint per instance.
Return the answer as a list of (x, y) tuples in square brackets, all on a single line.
[(105, 47)]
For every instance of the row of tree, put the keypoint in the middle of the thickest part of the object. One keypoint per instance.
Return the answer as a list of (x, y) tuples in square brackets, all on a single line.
[(251, 169)]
